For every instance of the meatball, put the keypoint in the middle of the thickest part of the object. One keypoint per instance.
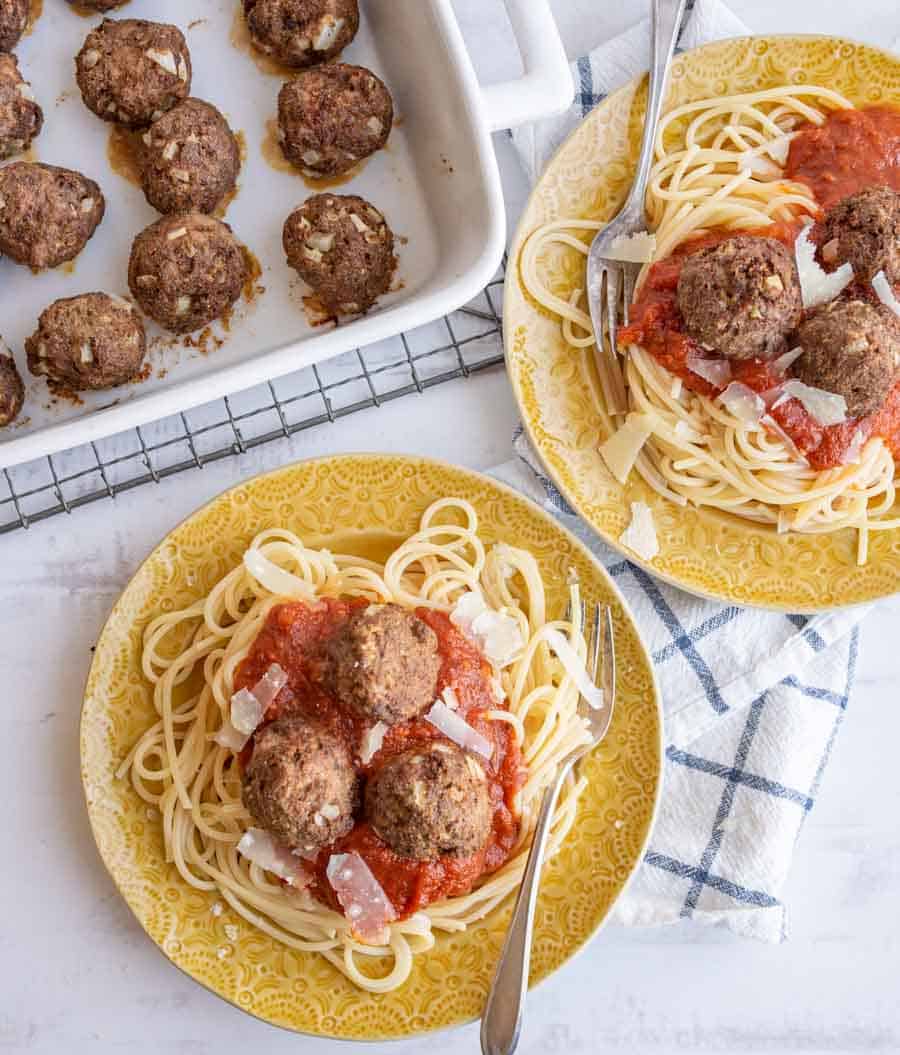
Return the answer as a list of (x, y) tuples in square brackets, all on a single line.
[(21, 118), (99, 5), (864, 229), (132, 71), (740, 297), (300, 785), (13, 21), (47, 214), (850, 348), (343, 248), (332, 117), (189, 159), (12, 391), (302, 32), (186, 270), (384, 663), (91, 341), (430, 802)]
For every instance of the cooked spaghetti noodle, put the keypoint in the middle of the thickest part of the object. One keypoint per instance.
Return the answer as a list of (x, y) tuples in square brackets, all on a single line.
[(191, 657)]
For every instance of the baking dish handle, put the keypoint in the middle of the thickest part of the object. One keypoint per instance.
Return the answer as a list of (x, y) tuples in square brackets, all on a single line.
[(546, 87)]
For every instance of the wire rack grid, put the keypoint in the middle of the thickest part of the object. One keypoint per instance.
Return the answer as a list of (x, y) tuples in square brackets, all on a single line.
[(457, 346)]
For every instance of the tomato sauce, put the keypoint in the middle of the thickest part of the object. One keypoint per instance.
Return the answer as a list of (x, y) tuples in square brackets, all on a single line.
[(294, 636)]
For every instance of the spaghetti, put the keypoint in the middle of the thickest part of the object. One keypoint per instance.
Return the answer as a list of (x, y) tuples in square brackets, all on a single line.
[(192, 658)]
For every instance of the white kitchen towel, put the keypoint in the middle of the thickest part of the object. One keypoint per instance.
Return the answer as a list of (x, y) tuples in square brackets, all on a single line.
[(752, 700)]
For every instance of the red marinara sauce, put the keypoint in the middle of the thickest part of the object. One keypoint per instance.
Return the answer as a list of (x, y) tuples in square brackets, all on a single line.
[(293, 636)]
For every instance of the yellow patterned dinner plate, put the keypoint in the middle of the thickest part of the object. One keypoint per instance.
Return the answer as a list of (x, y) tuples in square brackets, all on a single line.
[(365, 505), (707, 552)]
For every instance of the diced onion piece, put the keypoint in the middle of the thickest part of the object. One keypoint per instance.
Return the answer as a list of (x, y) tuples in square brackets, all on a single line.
[(743, 403), (249, 706), (853, 454), (496, 634), (457, 729), (716, 371), (637, 248), (274, 579), (229, 737), (826, 408), (371, 742), (640, 535), (575, 668), (885, 294), (261, 849), (362, 898), (817, 287), (621, 450), (784, 362)]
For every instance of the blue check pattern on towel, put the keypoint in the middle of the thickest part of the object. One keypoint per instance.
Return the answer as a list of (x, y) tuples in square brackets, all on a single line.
[(752, 700)]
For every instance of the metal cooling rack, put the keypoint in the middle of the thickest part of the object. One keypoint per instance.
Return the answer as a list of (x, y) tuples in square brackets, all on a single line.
[(458, 345)]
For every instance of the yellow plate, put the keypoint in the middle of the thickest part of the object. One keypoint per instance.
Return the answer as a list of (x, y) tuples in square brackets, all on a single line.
[(363, 504), (707, 552)]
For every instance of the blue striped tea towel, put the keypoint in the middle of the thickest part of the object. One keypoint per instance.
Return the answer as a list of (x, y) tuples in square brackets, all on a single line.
[(752, 700)]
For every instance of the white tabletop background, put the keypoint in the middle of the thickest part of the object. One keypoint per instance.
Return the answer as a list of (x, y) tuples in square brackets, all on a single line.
[(77, 973)]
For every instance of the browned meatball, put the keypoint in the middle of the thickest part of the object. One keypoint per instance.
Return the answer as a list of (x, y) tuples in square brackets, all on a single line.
[(186, 270), (302, 32), (332, 117), (47, 214), (343, 248), (864, 229), (91, 341), (430, 802), (189, 159), (384, 663), (13, 21), (850, 348), (12, 391), (741, 297), (300, 785), (99, 5), (131, 71), (20, 116)]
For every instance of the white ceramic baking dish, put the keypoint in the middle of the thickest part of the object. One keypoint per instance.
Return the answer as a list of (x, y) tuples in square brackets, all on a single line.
[(437, 184)]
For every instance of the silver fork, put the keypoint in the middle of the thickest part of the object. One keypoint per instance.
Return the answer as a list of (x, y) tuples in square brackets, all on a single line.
[(609, 280), (502, 1021)]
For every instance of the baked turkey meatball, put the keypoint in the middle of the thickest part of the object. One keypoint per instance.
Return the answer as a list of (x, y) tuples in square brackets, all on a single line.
[(300, 784), (20, 116), (47, 214), (13, 21), (384, 662), (864, 229), (91, 341), (186, 270), (12, 391), (302, 32), (332, 117), (850, 348), (430, 802), (741, 297), (189, 159), (131, 71), (343, 248)]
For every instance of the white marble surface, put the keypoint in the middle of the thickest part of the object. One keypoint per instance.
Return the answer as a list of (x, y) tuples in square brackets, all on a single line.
[(78, 975)]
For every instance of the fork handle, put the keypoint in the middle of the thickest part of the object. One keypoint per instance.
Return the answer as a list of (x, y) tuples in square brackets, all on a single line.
[(666, 16), (502, 1019)]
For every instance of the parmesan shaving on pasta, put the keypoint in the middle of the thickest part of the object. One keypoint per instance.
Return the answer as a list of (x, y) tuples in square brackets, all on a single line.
[(816, 286), (621, 450), (637, 248), (716, 371), (743, 403), (496, 634), (261, 849), (366, 906), (576, 669), (457, 729), (826, 408)]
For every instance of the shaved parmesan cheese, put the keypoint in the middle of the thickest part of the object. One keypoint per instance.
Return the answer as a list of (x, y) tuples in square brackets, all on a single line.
[(640, 535), (575, 668), (496, 634), (682, 430), (229, 737), (637, 248), (496, 689), (716, 371), (784, 362), (750, 161), (777, 149), (817, 287), (362, 898), (261, 849), (620, 451), (371, 742), (450, 698), (885, 294), (274, 579), (773, 426), (826, 408), (330, 811), (743, 403), (457, 729), (853, 454), (249, 706)]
